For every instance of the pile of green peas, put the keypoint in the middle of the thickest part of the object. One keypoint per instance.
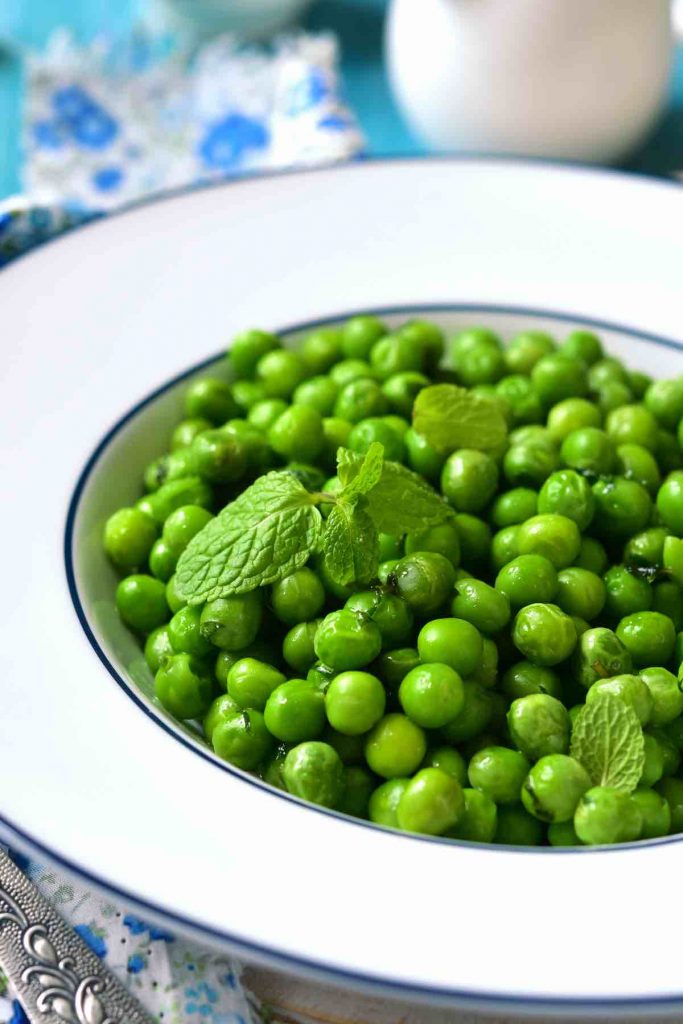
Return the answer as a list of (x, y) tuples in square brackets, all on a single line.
[(441, 699)]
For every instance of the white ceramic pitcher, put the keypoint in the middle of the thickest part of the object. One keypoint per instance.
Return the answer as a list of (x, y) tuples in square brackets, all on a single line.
[(574, 79)]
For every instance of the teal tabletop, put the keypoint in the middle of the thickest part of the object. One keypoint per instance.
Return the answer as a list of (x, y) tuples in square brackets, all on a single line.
[(358, 24)]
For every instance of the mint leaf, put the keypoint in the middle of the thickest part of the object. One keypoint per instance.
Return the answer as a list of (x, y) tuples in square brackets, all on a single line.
[(450, 417), (369, 469), (401, 501), (351, 543), (262, 536), (608, 741)]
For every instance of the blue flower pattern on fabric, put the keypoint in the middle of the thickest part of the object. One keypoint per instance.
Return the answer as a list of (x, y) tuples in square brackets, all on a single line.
[(307, 93), (136, 963), (106, 179), (136, 926), (96, 942), (89, 124), (226, 141)]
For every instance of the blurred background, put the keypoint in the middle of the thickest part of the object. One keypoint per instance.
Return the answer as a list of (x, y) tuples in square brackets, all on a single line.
[(102, 101)]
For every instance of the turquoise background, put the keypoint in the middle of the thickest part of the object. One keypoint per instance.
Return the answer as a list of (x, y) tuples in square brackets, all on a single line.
[(358, 23)]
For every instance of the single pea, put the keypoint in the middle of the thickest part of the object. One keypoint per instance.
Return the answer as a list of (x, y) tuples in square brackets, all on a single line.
[(516, 827), (646, 549), (580, 593), (476, 356), (483, 606), (319, 393), (421, 456), (298, 597), (486, 671), (251, 682), (174, 599), (612, 395), (396, 353), (141, 602), (532, 433), (222, 665), (221, 707), (297, 433), (391, 614), (622, 507), (600, 654), (453, 642), (563, 833), (359, 784), (605, 815), (592, 556), (182, 525), (375, 429), (670, 503), (519, 394), (448, 760), (429, 337), (171, 466), (590, 450), (649, 637), (653, 765), (346, 640), (158, 648), (128, 537), (632, 424), (321, 349), (528, 579), (478, 821), (401, 390), (348, 370), (297, 646), (184, 434), (280, 372), (667, 599), (469, 479), (183, 686), (568, 494), (432, 695), (354, 702), (189, 490), (360, 399), (384, 802), (499, 772), (394, 666), (582, 345), (555, 537), (242, 739), (431, 803), (247, 348), (443, 539), (664, 400), (424, 580), (185, 634), (219, 456), (655, 812), (475, 716), (525, 350), (554, 786), (672, 559), (475, 540), (505, 546), (514, 506), (524, 679), (529, 464), (232, 622), (672, 791), (395, 747), (544, 634), (637, 463), (210, 399), (263, 414), (539, 725), (295, 711), (606, 371), (628, 688), (555, 378), (359, 334), (162, 561), (626, 593), (246, 394)]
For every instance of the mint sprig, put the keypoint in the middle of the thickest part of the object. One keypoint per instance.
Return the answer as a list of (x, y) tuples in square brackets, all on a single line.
[(351, 543), (401, 501), (451, 417), (607, 739)]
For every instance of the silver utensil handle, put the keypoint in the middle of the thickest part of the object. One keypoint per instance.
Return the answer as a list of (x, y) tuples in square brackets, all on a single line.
[(56, 976)]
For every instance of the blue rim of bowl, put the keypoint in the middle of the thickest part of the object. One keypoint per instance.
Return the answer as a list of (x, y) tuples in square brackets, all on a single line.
[(463, 996)]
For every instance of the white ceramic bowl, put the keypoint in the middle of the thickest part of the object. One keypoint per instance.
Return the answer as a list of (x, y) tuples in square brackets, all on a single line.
[(94, 328), (248, 19)]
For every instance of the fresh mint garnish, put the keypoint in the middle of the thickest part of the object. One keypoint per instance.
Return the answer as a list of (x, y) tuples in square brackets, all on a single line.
[(451, 417), (351, 543), (359, 474), (401, 501), (608, 741), (262, 536)]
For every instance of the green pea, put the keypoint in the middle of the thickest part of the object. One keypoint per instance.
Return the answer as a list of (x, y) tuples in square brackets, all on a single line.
[(359, 784), (183, 686), (539, 725), (280, 372), (486, 671), (646, 548), (174, 599), (174, 494), (672, 791), (528, 579), (612, 395), (263, 414), (649, 637), (443, 539), (556, 537), (544, 634), (319, 393), (424, 580), (394, 666), (247, 348), (567, 494), (667, 599), (298, 597), (396, 353), (486, 608), (664, 400), (432, 695), (529, 464), (475, 540), (653, 765), (395, 746), (525, 350), (242, 739), (448, 760), (479, 818), (655, 813), (580, 592), (162, 561), (184, 434), (390, 614), (584, 346), (628, 688), (670, 503), (220, 708), (359, 399), (554, 787), (626, 593), (505, 546), (589, 449), (384, 802), (421, 456), (272, 770), (210, 399), (600, 654), (469, 479), (401, 390), (431, 803), (514, 507), (347, 640), (499, 772), (636, 463), (475, 715), (453, 642), (622, 507), (592, 556), (521, 399), (516, 827), (158, 648), (297, 433), (246, 394), (321, 349), (128, 537), (606, 815), (555, 378), (375, 429), (222, 665), (672, 559), (251, 682), (427, 336), (232, 622), (295, 711), (563, 833), (606, 371), (185, 632), (354, 702), (524, 679), (297, 646), (632, 424), (141, 602)]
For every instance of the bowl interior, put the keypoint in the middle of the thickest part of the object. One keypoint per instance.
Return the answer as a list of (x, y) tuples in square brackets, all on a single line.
[(113, 475)]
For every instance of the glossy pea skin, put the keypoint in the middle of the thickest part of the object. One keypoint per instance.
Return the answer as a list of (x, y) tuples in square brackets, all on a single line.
[(479, 818), (321, 349), (360, 399), (584, 346), (572, 414), (525, 350), (373, 430), (424, 580), (182, 525), (141, 602), (520, 395), (297, 433), (592, 556), (505, 546), (183, 686), (664, 400), (128, 537), (653, 766), (485, 607), (589, 449), (580, 592), (158, 648), (247, 348), (554, 787), (280, 372), (539, 725), (567, 493), (394, 666), (384, 802), (667, 599), (672, 791), (555, 537), (625, 593), (527, 579), (630, 689), (185, 634), (211, 399), (622, 507), (396, 353), (449, 760), (555, 378), (606, 815), (354, 702), (649, 637), (251, 682), (632, 424), (298, 597), (469, 479), (162, 561), (359, 784), (600, 654), (314, 771), (174, 599), (401, 390), (475, 715), (431, 803), (395, 747), (544, 634), (432, 695), (563, 833), (232, 623), (514, 507), (185, 432), (453, 642), (670, 503), (672, 559), (295, 711), (297, 646), (655, 812), (523, 679), (190, 490), (219, 457), (319, 393), (422, 457), (499, 772), (646, 548), (263, 414), (486, 671), (392, 616), (347, 640), (529, 464), (359, 334), (443, 539), (221, 707), (637, 463), (475, 540)]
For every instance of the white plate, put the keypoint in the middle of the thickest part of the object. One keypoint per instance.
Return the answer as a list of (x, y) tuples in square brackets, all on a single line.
[(92, 324)]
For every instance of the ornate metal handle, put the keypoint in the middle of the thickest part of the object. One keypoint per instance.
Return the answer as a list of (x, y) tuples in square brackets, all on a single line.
[(56, 976)]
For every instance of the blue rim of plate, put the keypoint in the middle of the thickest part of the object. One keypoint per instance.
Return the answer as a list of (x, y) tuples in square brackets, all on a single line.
[(406, 990)]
